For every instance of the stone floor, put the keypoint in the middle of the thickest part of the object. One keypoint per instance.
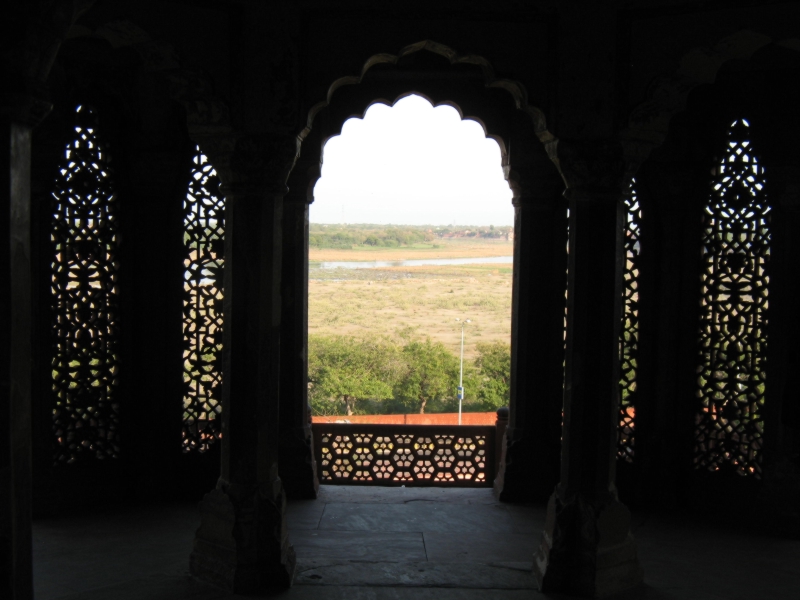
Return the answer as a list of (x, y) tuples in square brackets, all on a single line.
[(395, 544)]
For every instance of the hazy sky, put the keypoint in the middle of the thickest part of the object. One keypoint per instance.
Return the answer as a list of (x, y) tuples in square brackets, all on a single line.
[(412, 164)]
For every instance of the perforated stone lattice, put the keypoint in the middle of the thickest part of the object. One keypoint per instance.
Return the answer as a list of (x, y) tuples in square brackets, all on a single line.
[(204, 239), (356, 455), (629, 338), (733, 317), (84, 272)]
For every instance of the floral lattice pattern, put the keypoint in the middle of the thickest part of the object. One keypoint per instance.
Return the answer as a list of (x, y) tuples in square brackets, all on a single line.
[(629, 338), (733, 322), (84, 273), (204, 235)]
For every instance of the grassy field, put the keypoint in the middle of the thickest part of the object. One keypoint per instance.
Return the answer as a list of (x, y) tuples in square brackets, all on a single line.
[(413, 300)]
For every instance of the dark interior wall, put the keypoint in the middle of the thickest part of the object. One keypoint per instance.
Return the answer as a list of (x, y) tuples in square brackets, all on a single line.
[(659, 40), (675, 186), (196, 37), (145, 135), (272, 63)]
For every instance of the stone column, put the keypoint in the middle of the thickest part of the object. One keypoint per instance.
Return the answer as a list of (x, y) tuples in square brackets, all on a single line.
[(529, 464), (779, 495), (18, 115), (587, 547), (242, 543), (298, 469), (675, 193), (152, 196)]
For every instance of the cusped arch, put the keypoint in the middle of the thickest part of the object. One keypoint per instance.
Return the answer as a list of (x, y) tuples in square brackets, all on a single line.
[(515, 89), (452, 104)]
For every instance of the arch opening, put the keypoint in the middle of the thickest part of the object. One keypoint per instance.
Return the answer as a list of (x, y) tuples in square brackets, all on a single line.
[(393, 281)]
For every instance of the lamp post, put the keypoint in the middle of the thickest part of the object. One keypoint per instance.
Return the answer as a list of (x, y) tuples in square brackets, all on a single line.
[(461, 371)]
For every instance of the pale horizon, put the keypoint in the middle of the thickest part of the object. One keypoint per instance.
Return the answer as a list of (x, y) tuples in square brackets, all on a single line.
[(412, 164)]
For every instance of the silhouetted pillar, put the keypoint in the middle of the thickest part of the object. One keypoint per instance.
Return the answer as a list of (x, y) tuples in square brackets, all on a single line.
[(529, 464), (152, 195), (18, 115), (779, 495), (298, 468), (587, 547), (666, 402), (242, 543)]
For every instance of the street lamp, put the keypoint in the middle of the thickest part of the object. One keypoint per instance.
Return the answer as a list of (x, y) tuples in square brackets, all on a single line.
[(461, 373)]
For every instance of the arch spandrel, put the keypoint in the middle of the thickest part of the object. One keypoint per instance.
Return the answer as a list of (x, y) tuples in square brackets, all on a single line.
[(648, 123), (499, 106)]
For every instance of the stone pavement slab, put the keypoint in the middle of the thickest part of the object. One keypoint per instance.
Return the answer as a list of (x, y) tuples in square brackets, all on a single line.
[(403, 544), (366, 494), (164, 587), (359, 545), (422, 515), (304, 514), (480, 547), (514, 576)]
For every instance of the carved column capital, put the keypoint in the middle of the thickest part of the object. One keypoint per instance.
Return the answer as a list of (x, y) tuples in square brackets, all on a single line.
[(304, 177), (25, 108), (534, 179), (594, 167), (535, 190), (252, 163)]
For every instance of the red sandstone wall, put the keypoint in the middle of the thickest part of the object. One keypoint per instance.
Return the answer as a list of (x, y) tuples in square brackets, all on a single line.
[(487, 418)]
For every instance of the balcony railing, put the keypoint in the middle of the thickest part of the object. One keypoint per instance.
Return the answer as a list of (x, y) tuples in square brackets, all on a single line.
[(409, 455)]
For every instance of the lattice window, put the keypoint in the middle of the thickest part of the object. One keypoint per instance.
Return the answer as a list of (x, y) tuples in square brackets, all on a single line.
[(85, 298), (629, 338), (204, 235), (733, 321), (400, 455)]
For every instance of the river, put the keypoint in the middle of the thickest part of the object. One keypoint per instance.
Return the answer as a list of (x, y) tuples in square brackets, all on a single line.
[(421, 262)]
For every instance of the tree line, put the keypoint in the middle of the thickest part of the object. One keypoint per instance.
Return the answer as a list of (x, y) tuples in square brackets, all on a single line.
[(347, 236), (349, 375)]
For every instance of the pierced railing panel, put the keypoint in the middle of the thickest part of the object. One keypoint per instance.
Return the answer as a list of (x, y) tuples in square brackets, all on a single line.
[(394, 455)]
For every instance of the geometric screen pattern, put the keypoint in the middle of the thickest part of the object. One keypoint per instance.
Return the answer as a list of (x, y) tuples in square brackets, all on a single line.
[(733, 320), (84, 270), (405, 455), (629, 338), (204, 252)]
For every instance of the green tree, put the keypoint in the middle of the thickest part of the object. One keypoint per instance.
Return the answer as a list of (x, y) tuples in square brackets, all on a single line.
[(431, 374), (344, 369), (494, 367)]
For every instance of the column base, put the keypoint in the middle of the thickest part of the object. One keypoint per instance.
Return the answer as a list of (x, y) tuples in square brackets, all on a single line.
[(298, 467), (777, 505), (526, 473), (587, 549), (242, 544)]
